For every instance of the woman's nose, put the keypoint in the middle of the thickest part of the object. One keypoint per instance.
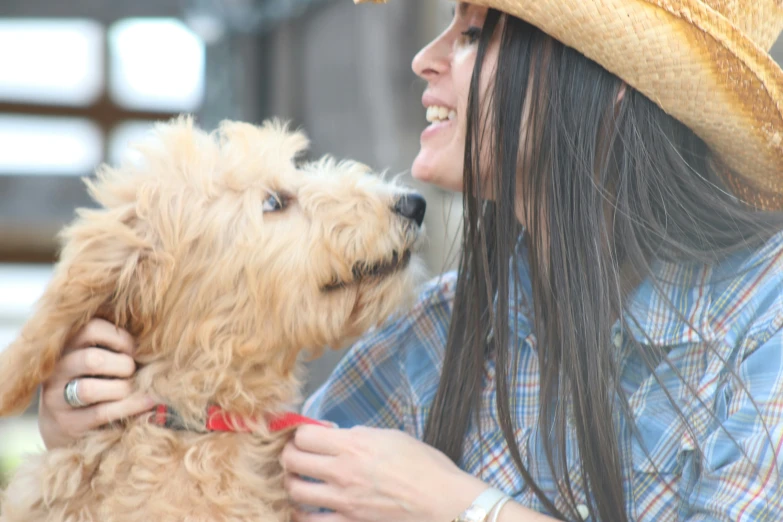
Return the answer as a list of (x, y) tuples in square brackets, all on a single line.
[(431, 61)]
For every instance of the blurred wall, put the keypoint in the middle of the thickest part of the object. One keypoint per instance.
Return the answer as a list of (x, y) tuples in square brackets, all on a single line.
[(69, 45)]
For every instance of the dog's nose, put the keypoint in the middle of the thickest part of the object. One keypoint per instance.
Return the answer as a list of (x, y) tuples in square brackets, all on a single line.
[(411, 206)]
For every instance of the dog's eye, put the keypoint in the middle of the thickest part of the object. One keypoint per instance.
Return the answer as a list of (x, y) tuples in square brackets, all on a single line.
[(274, 203)]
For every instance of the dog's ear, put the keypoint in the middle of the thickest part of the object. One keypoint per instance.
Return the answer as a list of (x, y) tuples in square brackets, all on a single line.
[(272, 140), (99, 275)]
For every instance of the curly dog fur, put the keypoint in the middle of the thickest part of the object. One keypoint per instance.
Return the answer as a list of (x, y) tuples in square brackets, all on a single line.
[(226, 261)]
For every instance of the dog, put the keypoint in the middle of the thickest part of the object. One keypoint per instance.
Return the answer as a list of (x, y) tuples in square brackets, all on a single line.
[(228, 258)]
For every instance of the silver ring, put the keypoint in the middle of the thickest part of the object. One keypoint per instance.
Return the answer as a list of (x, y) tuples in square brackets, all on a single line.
[(71, 394)]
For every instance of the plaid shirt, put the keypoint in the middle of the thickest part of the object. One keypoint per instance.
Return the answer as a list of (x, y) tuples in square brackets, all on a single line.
[(389, 378)]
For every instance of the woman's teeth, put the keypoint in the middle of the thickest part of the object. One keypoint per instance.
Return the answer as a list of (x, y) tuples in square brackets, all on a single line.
[(437, 114)]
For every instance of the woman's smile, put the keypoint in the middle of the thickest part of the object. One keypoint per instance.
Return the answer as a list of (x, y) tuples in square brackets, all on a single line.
[(441, 116)]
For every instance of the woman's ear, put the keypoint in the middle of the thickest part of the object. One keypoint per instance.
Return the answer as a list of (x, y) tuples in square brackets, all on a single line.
[(98, 270)]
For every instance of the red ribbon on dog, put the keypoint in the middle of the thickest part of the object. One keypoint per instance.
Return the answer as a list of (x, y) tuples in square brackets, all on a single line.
[(218, 420)]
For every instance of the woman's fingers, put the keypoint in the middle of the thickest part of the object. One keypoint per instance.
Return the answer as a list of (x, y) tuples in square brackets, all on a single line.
[(60, 424), (309, 493), (96, 391), (93, 362), (99, 332), (107, 400), (107, 412), (93, 417), (319, 439), (294, 460), (102, 350)]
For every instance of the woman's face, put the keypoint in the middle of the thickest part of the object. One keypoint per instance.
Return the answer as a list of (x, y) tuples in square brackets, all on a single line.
[(447, 66)]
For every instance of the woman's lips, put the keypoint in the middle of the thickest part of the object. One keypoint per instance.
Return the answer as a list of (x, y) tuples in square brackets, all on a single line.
[(434, 128)]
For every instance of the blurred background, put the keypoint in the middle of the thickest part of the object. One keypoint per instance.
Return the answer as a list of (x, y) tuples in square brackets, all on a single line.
[(81, 79)]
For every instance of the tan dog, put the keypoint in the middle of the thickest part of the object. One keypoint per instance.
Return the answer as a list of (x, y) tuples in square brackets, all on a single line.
[(226, 261)]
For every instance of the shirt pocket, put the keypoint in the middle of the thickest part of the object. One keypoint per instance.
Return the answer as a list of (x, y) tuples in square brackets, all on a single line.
[(658, 452)]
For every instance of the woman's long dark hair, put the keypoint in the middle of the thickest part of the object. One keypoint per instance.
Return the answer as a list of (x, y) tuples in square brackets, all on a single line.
[(604, 184)]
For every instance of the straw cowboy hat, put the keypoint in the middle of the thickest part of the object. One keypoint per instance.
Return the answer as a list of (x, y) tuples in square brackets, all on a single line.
[(705, 62)]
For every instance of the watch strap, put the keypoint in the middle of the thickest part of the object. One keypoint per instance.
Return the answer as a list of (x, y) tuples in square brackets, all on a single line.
[(498, 507), (482, 506)]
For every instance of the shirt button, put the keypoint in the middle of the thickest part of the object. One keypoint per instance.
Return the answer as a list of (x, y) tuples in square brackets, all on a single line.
[(583, 511), (617, 339)]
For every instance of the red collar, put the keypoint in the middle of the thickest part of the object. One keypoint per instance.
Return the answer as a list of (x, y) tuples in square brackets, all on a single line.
[(217, 420)]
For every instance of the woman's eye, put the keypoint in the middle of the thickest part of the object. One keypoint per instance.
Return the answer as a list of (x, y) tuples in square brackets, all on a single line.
[(471, 35), (274, 203)]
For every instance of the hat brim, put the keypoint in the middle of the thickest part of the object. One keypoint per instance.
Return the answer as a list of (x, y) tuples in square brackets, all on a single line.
[(693, 63)]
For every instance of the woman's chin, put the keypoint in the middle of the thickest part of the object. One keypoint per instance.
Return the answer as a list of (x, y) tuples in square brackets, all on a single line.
[(420, 172), (435, 173)]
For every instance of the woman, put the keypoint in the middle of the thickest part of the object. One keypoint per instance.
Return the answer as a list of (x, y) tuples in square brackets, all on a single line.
[(611, 346)]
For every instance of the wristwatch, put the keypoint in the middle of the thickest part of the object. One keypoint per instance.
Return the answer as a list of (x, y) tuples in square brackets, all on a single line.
[(481, 508)]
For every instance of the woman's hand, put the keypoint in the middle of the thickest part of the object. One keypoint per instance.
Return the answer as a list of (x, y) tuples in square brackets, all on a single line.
[(374, 475), (104, 384)]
